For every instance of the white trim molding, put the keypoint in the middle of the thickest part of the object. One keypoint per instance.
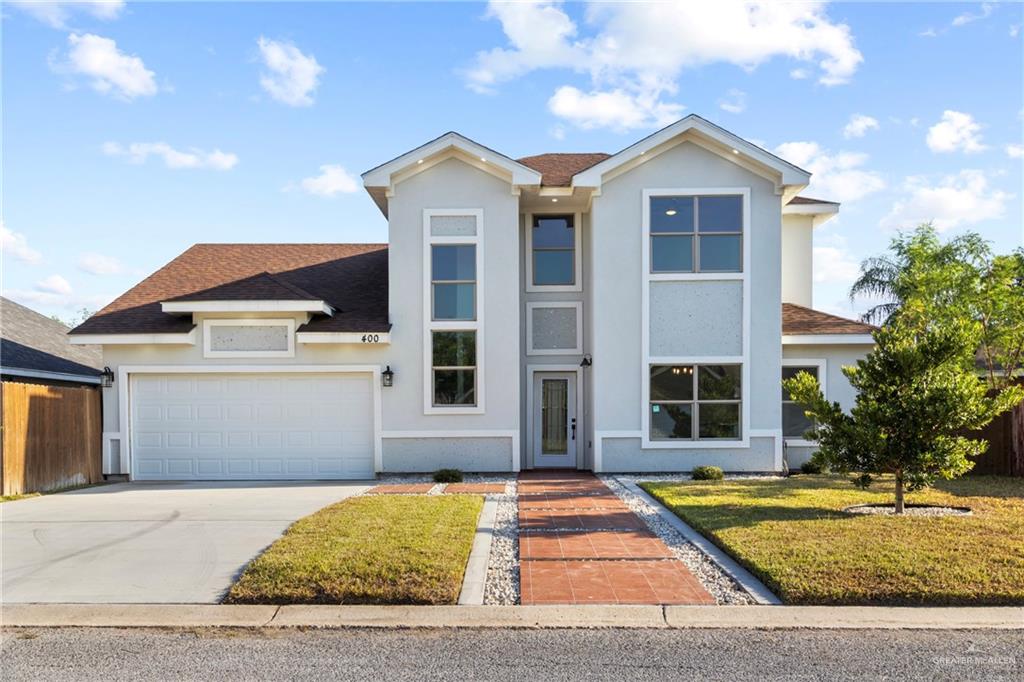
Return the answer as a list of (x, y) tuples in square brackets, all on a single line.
[(108, 464), (577, 284), (51, 376), (359, 338), (531, 370), (575, 350), (182, 339), (431, 325), (827, 340), (646, 359), (288, 323), (299, 306), (124, 373), (776, 436), (819, 213)]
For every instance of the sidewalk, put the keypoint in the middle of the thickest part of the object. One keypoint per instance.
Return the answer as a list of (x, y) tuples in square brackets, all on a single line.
[(588, 616)]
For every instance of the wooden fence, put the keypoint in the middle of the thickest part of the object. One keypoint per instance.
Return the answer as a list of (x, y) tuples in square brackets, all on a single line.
[(51, 437), (1003, 457)]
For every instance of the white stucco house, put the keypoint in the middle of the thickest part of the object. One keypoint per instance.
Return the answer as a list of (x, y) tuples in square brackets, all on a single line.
[(625, 312)]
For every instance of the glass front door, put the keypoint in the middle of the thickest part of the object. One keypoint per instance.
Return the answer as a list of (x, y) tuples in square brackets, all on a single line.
[(554, 423)]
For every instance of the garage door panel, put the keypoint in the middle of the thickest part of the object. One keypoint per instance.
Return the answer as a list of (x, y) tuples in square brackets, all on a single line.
[(212, 426)]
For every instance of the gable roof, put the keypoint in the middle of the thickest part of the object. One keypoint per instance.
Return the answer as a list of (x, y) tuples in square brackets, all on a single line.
[(352, 278), (557, 169), (261, 287), (798, 320), (34, 342)]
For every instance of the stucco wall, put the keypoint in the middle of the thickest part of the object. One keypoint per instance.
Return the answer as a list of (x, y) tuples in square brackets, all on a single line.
[(431, 454), (616, 227), (797, 259), (680, 308), (625, 455)]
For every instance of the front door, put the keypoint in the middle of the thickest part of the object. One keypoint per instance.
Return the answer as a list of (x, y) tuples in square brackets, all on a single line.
[(554, 419)]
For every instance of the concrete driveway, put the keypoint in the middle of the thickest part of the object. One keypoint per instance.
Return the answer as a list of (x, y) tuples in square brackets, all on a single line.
[(148, 542)]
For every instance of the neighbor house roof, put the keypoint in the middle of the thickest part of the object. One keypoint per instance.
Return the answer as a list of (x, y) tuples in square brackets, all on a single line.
[(809, 200), (557, 169), (798, 320), (33, 344), (351, 278)]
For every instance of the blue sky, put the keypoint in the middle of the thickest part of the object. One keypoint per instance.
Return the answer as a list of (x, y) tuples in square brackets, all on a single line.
[(132, 131)]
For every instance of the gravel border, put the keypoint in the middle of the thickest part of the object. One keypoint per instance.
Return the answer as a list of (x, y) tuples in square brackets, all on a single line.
[(502, 586), (908, 510), (722, 587)]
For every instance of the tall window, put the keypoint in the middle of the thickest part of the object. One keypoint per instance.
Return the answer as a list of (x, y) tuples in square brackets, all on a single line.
[(453, 281), (794, 422), (695, 402), (454, 367), (553, 238), (696, 233)]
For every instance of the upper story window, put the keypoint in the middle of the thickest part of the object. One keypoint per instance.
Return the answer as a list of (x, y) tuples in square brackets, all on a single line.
[(696, 233), (453, 281), (553, 242)]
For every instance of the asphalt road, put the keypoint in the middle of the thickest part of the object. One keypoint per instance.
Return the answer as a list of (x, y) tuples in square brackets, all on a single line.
[(85, 654)]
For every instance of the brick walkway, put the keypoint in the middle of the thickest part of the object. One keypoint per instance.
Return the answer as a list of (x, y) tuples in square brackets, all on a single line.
[(580, 544)]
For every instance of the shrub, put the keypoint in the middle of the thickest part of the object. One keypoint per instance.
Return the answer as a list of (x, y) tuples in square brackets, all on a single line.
[(708, 474), (447, 476), (811, 467)]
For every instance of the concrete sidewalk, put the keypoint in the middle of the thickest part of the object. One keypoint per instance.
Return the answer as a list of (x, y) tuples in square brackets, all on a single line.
[(680, 617)]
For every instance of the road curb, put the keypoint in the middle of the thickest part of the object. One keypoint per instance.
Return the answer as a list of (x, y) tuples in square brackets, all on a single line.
[(592, 616)]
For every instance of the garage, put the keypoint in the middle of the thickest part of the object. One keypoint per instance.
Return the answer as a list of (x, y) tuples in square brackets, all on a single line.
[(252, 426)]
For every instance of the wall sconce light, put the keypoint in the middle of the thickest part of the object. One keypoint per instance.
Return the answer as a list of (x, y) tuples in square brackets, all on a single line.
[(107, 377), (387, 377), (587, 361)]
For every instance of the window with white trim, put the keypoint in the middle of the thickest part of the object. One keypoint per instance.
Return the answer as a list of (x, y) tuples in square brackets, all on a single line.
[(453, 367), (795, 423), (553, 245), (695, 402), (696, 233), (453, 281)]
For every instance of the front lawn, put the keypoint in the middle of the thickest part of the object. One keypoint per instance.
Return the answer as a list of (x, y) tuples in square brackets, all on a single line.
[(792, 534), (383, 549)]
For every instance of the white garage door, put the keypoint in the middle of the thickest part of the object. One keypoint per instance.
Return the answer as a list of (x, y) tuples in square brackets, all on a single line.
[(251, 426)]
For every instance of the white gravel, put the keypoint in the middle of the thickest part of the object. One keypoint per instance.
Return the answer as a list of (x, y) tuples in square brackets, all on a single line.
[(502, 586), (722, 587), (908, 510)]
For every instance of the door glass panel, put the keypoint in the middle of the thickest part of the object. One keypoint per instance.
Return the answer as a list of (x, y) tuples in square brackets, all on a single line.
[(553, 416)]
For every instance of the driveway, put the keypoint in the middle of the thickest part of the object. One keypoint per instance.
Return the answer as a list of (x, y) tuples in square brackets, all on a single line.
[(148, 542)]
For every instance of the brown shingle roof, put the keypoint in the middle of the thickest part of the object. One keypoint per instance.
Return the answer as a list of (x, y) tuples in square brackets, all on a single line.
[(796, 319), (557, 169), (809, 200), (31, 341), (352, 278)]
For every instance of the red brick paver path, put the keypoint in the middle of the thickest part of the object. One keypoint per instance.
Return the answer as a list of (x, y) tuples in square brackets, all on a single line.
[(474, 489), (580, 544), (401, 489)]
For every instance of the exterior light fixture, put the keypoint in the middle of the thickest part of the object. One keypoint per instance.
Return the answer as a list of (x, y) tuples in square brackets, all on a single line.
[(483, 159), (735, 151), (420, 161), (387, 377), (107, 377), (587, 361), (670, 211), (554, 201)]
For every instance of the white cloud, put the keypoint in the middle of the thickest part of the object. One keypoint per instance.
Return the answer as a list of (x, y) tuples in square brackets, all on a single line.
[(56, 13), (636, 52), (1014, 30), (962, 199), (16, 244), (929, 33), (98, 264), (967, 17), (615, 109), (833, 262), (835, 177), (333, 180), (859, 125), (138, 152), (54, 284), (1015, 151), (111, 71), (292, 77), (799, 74), (956, 131), (735, 101)]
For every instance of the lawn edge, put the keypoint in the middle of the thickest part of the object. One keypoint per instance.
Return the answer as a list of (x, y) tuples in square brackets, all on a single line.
[(474, 576)]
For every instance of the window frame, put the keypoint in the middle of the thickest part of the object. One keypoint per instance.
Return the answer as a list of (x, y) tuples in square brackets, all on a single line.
[(434, 368), (822, 365), (577, 220), (434, 282), (431, 325), (695, 403), (696, 235)]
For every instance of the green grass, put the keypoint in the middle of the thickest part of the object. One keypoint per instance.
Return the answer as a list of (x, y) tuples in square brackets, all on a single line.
[(15, 498), (381, 549), (792, 534)]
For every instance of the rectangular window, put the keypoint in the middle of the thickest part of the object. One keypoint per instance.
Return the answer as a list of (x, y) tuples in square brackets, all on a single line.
[(695, 402), (794, 422), (453, 281), (696, 233), (553, 240), (453, 363)]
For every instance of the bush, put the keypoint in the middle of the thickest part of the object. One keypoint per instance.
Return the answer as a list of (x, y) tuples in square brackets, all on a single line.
[(811, 467), (708, 474), (447, 476)]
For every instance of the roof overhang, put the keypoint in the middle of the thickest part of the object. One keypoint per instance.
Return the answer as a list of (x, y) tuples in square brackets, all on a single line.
[(827, 339), (819, 213), (788, 179), (361, 338), (380, 182), (180, 339), (50, 376), (297, 306)]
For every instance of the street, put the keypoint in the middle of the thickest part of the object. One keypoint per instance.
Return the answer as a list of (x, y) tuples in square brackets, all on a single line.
[(223, 654)]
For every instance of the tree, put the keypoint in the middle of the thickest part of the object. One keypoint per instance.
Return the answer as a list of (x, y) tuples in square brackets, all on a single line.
[(915, 391), (72, 322)]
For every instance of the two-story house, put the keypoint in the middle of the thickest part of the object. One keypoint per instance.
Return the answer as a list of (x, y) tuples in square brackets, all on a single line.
[(621, 312)]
